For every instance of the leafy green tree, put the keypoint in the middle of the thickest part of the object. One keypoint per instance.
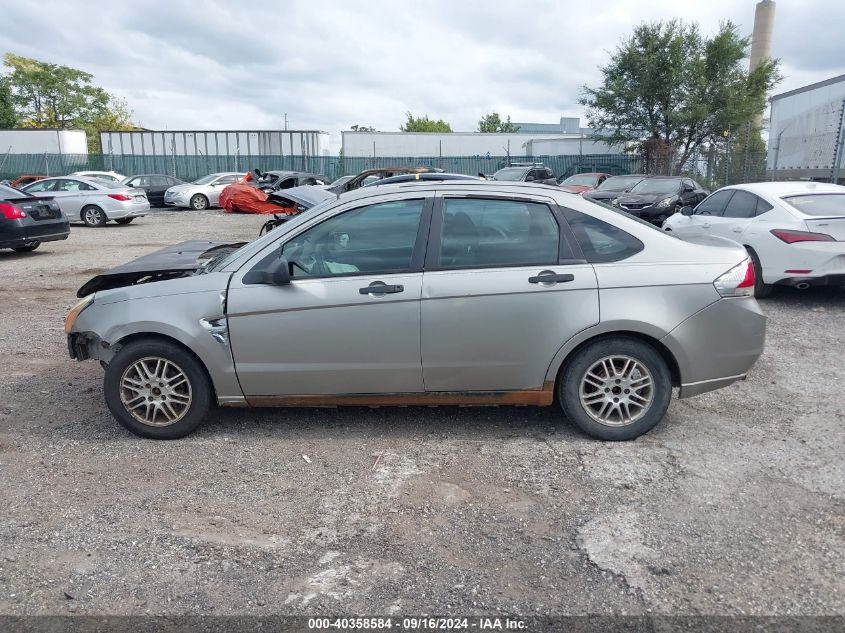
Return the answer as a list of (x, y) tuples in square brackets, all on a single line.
[(424, 124), (362, 128), (117, 117), (493, 123), (8, 116), (670, 86)]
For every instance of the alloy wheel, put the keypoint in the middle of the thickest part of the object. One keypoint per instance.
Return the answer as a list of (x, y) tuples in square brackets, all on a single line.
[(616, 390), (155, 391)]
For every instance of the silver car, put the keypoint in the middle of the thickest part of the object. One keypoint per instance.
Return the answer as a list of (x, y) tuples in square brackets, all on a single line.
[(201, 194), (93, 201), (446, 293)]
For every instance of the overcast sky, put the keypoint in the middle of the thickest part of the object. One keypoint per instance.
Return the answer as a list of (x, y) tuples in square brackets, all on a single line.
[(194, 64)]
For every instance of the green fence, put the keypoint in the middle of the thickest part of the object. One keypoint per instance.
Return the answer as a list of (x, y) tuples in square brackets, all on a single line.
[(193, 167)]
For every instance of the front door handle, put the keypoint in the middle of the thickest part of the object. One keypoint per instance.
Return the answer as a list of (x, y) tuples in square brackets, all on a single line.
[(737, 229), (550, 277), (381, 288)]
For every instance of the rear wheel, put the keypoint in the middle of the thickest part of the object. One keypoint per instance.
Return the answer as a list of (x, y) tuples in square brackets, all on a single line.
[(761, 289), (28, 248), (157, 389), (199, 202), (124, 220), (93, 216), (615, 388)]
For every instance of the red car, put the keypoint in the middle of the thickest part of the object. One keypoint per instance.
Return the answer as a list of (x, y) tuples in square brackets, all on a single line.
[(579, 183)]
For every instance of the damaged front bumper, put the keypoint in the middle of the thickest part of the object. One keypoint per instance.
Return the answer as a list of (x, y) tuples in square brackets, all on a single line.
[(84, 345)]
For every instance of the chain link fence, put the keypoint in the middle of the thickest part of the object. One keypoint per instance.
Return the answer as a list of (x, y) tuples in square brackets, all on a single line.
[(192, 167)]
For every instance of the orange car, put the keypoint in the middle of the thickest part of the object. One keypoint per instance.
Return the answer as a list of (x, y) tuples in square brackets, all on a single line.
[(22, 181), (242, 197)]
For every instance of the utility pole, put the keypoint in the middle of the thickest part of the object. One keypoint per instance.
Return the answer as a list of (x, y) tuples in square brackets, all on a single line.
[(286, 120)]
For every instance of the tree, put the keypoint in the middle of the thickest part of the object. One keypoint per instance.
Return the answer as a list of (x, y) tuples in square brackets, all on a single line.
[(672, 87), (53, 96), (8, 116), (362, 128), (424, 124), (493, 123)]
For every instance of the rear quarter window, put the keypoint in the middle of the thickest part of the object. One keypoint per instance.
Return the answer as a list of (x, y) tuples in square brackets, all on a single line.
[(601, 241)]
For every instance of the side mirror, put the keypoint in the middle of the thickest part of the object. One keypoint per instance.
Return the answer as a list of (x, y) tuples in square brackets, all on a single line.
[(687, 211), (276, 274), (529, 178), (688, 189)]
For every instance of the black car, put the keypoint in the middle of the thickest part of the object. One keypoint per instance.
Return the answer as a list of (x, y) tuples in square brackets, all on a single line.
[(611, 188), (26, 221), (526, 173), (345, 183), (657, 197), (153, 184), (277, 180)]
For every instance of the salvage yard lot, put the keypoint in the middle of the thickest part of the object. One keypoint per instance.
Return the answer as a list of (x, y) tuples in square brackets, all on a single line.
[(732, 505)]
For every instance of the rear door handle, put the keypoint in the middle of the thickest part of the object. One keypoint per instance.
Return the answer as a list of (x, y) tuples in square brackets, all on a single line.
[(550, 277), (381, 288)]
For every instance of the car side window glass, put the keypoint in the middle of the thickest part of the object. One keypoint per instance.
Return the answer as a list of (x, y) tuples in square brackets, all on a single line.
[(600, 241), (70, 185), (489, 232), (40, 186), (741, 205), (714, 204), (375, 239), (763, 206)]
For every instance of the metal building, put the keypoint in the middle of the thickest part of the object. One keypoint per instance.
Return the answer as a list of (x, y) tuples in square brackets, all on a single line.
[(216, 143), (806, 132)]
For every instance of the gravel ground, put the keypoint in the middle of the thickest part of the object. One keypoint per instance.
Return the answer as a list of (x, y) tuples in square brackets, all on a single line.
[(733, 505)]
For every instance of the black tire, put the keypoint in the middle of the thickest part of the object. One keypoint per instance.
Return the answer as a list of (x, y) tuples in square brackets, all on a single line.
[(28, 248), (575, 370), (124, 220), (199, 202), (93, 216), (761, 290), (198, 392)]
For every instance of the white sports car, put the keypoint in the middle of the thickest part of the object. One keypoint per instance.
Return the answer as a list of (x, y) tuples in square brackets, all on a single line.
[(794, 231)]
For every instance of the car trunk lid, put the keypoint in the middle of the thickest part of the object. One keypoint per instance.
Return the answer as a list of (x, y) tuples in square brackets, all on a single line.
[(833, 226), (38, 208)]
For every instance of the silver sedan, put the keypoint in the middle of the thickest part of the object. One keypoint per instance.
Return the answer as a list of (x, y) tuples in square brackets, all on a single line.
[(92, 200), (445, 293), (200, 194)]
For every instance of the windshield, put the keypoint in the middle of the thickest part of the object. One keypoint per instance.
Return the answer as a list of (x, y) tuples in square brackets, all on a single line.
[(819, 203), (256, 245), (510, 173), (341, 181), (206, 179), (658, 185), (619, 183), (587, 180)]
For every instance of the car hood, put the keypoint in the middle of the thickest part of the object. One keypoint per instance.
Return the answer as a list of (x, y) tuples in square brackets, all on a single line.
[(576, 188), (645, 197), (604, 194), (174, 261), (306, 196)]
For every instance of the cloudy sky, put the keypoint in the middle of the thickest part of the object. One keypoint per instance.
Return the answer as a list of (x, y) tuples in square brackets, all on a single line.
[(205, 64)]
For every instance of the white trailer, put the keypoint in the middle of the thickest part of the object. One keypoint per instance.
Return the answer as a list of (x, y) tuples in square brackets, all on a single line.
[(43, 141), (570, 147), (216, 143), (805, 128)]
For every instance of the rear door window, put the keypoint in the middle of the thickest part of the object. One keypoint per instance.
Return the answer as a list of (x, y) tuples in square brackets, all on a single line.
[(484, 232), (741, 205), (601, 241), (715, 204)]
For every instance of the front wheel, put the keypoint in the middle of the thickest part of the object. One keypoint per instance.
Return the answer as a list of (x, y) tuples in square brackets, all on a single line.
[(93, 216), (124, 220), (615, 388), (199, 202), (157, 389), (28, 248)]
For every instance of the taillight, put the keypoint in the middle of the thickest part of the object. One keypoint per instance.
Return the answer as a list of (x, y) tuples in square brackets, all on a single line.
[(790, 237), (120, 196), (738, 281), (11, 212)]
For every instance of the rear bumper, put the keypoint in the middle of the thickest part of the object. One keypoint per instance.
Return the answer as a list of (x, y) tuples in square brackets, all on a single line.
[(806, 282), (134, 211), (15, 236), (718, 345)]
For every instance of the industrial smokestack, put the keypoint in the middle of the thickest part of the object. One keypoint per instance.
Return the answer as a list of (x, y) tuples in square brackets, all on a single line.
[(761, 41), (761, 38)]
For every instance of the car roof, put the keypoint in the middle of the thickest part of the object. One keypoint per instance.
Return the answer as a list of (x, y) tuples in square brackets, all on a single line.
[(788, 188), (482, 186)]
